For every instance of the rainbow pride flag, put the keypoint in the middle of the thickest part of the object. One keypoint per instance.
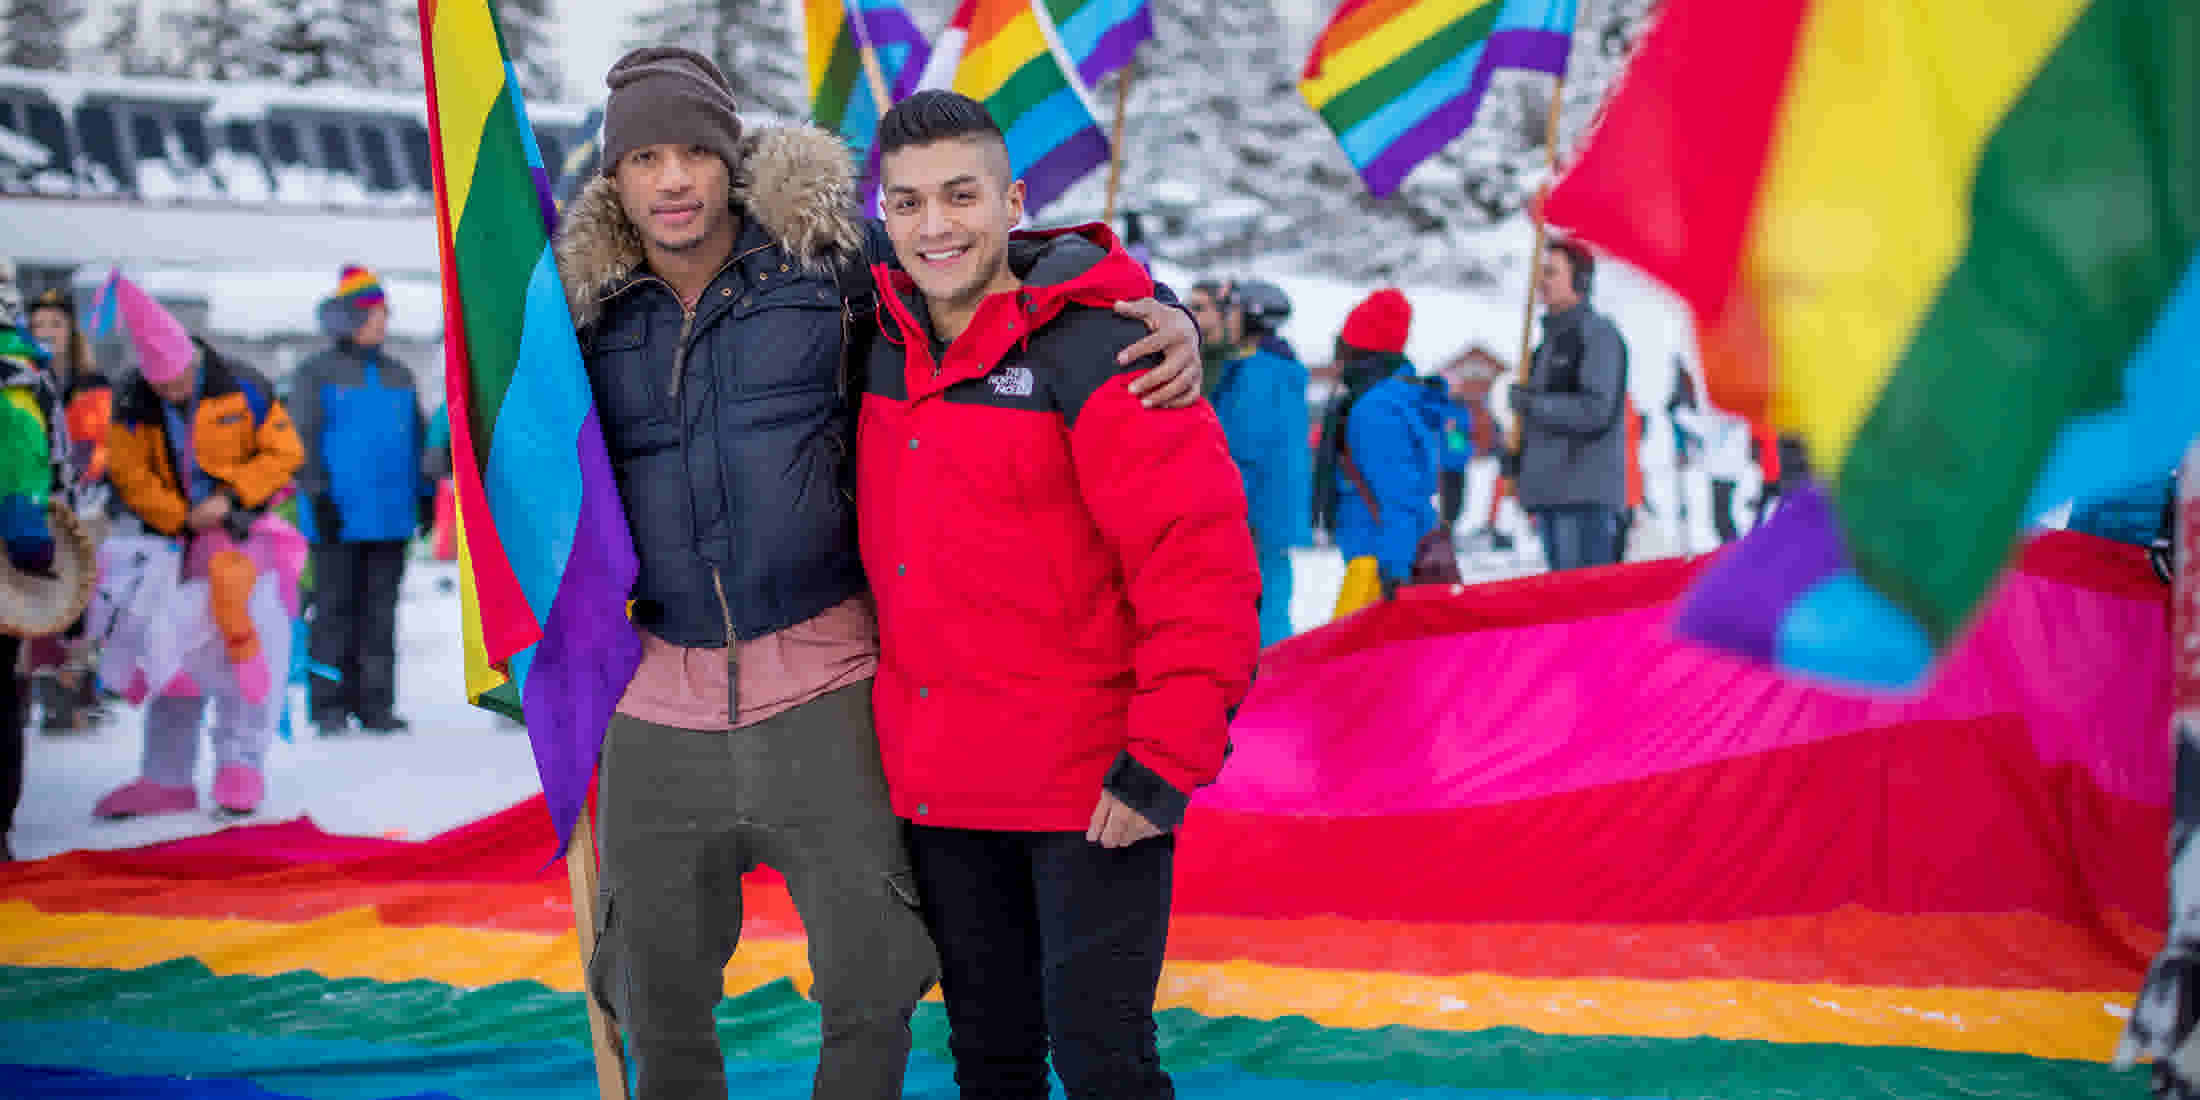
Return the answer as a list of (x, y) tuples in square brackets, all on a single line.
[(1451, 859), (841, 97), (1008, 55), (1101, 35), (1397, 80), (1955, 246), (545, 558)]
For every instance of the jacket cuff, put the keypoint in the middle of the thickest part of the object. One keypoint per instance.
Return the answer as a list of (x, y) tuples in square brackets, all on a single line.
[(1142, 789)]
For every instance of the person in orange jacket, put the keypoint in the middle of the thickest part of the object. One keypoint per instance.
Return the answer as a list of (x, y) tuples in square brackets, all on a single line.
[(198, 448)]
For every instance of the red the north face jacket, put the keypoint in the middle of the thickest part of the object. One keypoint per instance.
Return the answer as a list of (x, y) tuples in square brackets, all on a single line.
[(1065, 579)]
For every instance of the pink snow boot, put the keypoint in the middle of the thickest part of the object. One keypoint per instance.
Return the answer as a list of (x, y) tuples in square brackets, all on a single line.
[(238, 788), (143, 797)]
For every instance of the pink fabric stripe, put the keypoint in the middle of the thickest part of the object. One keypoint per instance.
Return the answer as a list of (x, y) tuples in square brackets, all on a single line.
[(1512, 714)]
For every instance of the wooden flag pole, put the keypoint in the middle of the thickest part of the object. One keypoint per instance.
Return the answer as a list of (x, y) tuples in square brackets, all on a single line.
[(1535, 258), (1115, 142), (580, 870)]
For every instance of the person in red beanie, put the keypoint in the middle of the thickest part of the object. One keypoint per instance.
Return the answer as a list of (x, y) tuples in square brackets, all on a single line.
[(1385, 434)]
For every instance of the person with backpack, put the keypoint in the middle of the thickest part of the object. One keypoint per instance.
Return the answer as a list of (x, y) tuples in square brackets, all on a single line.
[(1384, 455)]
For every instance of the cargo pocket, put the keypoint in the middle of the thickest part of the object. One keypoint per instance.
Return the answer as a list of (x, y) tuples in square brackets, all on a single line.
[(606, 971)]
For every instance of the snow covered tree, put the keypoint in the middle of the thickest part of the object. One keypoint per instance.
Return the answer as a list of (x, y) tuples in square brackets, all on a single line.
[(222, 40), (356, 42), (34, 34), (122, 47), (752, 41), (528, 27)]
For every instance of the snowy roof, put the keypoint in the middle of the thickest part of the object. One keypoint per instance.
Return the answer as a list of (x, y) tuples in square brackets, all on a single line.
[(241, 98), (17, 149)]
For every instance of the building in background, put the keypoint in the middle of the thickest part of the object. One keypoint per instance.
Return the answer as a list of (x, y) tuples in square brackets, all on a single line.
[(232, 202)]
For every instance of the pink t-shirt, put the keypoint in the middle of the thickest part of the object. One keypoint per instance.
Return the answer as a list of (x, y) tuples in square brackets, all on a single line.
[(685, 687)]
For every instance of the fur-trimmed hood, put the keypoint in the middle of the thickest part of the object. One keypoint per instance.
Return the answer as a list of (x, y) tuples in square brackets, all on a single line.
[(798, 182)]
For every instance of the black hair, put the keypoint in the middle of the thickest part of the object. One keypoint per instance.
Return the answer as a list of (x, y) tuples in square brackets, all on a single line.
[(1580, 261), (936, 115)]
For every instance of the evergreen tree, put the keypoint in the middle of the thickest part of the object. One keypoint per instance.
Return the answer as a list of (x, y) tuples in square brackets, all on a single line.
[(122, 47), (528, 27), (222, 40), (752, 41), (34, 34), (361, 43)]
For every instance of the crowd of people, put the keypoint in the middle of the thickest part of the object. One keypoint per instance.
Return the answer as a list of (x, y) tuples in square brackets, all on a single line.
[(154, 504)]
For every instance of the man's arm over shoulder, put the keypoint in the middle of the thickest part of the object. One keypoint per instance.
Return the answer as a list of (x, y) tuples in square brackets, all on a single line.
[(1168, 500), (1594, 409)]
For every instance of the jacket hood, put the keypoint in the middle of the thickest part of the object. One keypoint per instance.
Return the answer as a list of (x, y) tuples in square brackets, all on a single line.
[(798, 182)]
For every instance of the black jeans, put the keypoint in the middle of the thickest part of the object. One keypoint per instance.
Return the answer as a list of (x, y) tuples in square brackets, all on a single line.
[(683, 815), (1046, 942), (355, 627)]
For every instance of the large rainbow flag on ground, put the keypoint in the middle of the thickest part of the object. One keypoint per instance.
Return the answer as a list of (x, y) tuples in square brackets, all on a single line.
[(1101, 35), (545, 558), (1953, 245), (1008, 55), (841, 97), (1397, 80), (1510, 844)]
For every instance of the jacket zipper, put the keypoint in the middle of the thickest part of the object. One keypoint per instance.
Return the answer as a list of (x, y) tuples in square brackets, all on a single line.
[(733, 649)]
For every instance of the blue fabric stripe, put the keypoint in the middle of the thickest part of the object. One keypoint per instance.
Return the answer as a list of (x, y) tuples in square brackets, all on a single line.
[(125, 1063), (531, 475), (2142, 438), (1084, 29), (1375, 133), (1051, 123)]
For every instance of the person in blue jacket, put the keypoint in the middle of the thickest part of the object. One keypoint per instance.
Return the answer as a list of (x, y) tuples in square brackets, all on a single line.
[(1393, 443), (1260, 397), (365, 494)]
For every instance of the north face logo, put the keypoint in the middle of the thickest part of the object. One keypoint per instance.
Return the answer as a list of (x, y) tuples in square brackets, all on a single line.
[(1012, 382)]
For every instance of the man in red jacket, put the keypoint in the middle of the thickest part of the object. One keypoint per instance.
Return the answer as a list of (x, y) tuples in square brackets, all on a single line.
[(1066, 589)]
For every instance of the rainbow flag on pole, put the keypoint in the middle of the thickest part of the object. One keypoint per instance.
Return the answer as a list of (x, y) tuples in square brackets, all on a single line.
[(1008, 55), (1952, 245), (545, 558), (841, 97), (1101, 35), (1397, 80)]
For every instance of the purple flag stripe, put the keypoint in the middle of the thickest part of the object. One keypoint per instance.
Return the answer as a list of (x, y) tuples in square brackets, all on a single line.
[(585, 659), (1115, 48), (1742, 598), (1063, 166)]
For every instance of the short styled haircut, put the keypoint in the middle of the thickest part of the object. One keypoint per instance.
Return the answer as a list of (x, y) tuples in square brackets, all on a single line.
[(935, 115)]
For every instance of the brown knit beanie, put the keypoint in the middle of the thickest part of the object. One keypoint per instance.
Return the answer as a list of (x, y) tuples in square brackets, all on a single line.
[(665, 95)]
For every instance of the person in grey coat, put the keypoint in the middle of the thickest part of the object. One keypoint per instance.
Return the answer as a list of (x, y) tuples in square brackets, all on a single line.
[(1573, 439)]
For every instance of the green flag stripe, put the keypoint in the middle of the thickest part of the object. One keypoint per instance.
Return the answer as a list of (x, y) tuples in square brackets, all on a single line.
[(831, 107), (1032, 85), (496, 245), (2085, 214), (1394, 80)]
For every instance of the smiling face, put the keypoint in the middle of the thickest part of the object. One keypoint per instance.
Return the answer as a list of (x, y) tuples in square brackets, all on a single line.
[(52, 329), (950, 207), (678, 197)]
